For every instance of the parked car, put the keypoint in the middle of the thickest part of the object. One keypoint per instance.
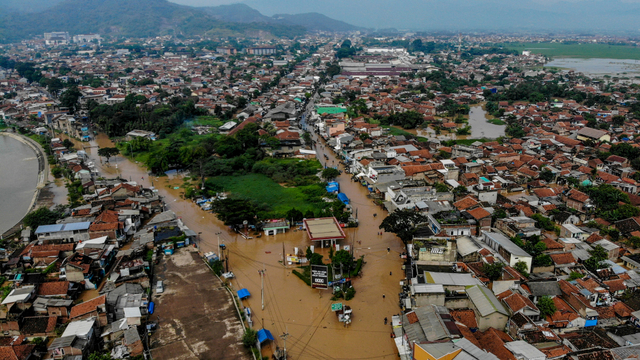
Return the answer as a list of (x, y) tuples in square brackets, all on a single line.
[(160, 287), (228, 275)]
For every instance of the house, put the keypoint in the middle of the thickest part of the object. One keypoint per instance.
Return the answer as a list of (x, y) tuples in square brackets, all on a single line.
[(511, 252), (468, 250), (576, 200), (93, 308), (517, 303), (587, 133), (427, 294), (573, 232), (518, 226), (77, 339), (71, 232), (522, 350), (490, 313)]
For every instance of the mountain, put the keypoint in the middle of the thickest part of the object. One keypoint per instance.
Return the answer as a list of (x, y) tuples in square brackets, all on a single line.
[(243, 13), (26, 6), (130, 18), (314, 21)]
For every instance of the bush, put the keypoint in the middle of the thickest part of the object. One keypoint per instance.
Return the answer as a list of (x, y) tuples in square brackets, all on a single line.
[(56, 172), (350, 293), (249, 338), (302, 277), (358, 268)]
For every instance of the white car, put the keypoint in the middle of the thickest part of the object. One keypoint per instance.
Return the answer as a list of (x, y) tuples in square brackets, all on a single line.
[(228, 275)]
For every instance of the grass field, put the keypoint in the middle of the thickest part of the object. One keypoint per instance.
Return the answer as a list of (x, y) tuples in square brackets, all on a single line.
[(264, 190), (584, 51), (397, 131), (496, 122)]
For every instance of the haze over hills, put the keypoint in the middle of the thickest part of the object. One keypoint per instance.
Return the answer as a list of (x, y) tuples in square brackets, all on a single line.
[(457, 15), (136, 18), (311, 21), (142, 18)]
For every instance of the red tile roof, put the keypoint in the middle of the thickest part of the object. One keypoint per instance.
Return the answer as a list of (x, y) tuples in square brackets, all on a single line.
[(87, 307), (53, 288), (466, 317)]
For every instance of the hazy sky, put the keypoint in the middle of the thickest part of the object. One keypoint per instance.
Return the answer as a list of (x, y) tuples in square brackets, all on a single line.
[(584, 15)]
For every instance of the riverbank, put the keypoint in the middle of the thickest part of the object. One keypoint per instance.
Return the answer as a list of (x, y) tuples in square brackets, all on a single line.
[(43, 173)]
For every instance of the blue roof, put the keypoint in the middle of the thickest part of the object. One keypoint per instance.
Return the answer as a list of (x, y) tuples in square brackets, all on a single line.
[(151, 307), (264, 335), (585, 292), (42, 229), (243, 294)]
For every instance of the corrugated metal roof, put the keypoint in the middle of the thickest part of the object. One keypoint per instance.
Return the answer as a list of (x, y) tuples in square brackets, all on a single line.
[(450, 279), (428, 289), (466, 246), (475, 351), (485, 301), (521, 349), (63, 227)]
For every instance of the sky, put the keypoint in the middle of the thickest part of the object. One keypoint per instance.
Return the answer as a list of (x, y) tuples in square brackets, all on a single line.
[(457, 15)]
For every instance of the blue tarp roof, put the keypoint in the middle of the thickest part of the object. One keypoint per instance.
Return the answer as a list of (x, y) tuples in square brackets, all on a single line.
[(243, 294), (152, 306), (264, 335)]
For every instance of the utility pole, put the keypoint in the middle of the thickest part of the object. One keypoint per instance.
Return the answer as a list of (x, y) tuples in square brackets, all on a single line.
[(219, 255), (261, 272), (284, 338), (284, 256)]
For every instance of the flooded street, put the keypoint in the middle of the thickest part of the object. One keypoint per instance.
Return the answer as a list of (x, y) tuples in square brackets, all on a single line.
[(289, 304)]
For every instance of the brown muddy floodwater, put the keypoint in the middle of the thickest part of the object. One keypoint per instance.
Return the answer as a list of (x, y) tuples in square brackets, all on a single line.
[(289, 304)]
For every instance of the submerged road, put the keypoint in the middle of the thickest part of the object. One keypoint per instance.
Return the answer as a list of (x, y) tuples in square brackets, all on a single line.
[(290, 305)]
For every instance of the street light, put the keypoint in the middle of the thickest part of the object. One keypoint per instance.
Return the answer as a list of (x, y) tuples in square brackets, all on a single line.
[(218, 235)]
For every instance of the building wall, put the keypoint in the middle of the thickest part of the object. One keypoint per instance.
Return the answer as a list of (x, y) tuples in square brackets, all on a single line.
[(428, 299), (496, 320)]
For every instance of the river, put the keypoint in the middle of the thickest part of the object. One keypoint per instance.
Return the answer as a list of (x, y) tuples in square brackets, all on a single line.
[(290, 305), (18, 180)]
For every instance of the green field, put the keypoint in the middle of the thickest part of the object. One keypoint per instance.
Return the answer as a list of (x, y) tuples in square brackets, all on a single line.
[(496, 122), (573, 50), (264, 190)]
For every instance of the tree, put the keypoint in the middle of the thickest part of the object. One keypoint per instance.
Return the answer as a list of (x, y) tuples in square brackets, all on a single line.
[(42, 216), (522, 268), (460, 191), (493, 271), (330, 173), (546, 306), (342, 258), (249, 338), (402, 222), (108, 152), (68, 144), (69, 99), (546, 175), (595, 262)]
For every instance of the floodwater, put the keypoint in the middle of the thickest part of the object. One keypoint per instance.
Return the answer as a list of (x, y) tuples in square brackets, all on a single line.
[(289, 304), (598, 66), (480, 128), (18, 180)]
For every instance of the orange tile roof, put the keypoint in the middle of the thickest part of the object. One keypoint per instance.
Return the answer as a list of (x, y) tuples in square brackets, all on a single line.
[(562, 258), (87, 307), (479, 213), (53, 288), (466, 317)]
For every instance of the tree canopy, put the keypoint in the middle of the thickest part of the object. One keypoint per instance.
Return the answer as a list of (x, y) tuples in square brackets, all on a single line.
[(402, 222)]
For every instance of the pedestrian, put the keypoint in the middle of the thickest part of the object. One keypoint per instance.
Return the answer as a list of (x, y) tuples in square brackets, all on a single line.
[(385, 321), (388, 250), (383, 296), (390, 273)]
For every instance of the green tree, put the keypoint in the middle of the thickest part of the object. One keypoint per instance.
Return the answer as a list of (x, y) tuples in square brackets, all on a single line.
[(575, 275), (522, 268), (68, 144), (342, 258), (546, 175), (595, 262), (546, 306), (42, 216), (250, 338), (69, 99), (493, 271), (108, 152), (330, 173), (402, 222)]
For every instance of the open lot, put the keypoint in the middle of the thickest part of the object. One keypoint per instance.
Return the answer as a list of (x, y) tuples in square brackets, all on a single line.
[(197, 318)]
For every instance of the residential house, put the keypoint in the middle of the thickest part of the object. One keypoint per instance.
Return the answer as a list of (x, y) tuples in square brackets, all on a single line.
[(490, 313)]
